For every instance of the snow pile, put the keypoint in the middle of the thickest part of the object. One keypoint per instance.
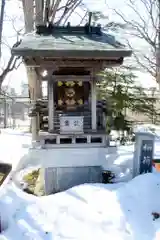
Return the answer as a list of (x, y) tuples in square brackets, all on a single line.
[(14, 145), (147, 128), (91, 211)]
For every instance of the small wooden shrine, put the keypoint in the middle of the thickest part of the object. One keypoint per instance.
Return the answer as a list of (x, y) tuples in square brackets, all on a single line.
[(71, 57)]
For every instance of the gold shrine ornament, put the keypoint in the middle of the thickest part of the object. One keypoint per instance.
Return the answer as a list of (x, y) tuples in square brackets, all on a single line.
[(79, 83), (70, 83), (80, 101), (60, 102), (60, 83)]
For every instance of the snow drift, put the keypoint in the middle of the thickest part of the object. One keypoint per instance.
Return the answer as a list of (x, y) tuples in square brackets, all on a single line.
[(119, 211)]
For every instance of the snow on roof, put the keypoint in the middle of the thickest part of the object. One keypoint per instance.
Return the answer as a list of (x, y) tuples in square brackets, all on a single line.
[(104, 44)]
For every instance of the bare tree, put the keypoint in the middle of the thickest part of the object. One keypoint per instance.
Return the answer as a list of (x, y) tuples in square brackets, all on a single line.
[(38, 12), (12, 62), (10, 66), (143, 26), (42, 12), (53, 11)]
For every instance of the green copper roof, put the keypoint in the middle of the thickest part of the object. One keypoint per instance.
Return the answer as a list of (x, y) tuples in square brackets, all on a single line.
[(70, 44)]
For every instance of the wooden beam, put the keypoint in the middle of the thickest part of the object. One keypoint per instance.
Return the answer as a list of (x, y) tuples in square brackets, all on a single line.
[(51, 63), (70, 78)]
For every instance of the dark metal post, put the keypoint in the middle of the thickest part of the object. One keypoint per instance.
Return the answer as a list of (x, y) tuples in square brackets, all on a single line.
[(1, 21), (158, 48)]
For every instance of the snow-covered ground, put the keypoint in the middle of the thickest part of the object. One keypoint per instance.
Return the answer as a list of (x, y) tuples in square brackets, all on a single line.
[(121, 211), (13, 146)]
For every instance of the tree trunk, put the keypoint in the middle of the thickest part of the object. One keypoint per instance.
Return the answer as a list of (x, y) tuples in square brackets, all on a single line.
[(39, 12), (28, 10)]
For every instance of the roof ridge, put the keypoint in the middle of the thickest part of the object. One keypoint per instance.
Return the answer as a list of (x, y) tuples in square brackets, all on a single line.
[(68, 29)]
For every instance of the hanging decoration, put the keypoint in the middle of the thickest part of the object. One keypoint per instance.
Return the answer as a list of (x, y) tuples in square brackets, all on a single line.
[(60, 102)]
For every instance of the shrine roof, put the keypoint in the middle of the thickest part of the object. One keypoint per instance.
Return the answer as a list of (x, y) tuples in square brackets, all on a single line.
[(57, 41)]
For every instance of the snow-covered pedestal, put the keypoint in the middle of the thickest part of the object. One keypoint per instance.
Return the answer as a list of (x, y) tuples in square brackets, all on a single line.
[(143, 153)]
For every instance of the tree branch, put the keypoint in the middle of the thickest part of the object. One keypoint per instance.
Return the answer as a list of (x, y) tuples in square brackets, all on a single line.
[(140, 29), (144, 28), (71, 10), (55, 7), (141, 63), (11, 65)]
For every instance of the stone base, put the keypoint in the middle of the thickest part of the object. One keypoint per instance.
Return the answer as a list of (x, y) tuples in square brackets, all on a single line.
[(62, 178)]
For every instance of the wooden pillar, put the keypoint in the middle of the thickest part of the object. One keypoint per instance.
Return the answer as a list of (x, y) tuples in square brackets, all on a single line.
[(33, 82), (94, 103), (38, 96), (39, 88), (50, 105)]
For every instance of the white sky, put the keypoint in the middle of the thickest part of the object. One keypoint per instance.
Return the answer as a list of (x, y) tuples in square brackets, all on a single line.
[(13, 10)]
